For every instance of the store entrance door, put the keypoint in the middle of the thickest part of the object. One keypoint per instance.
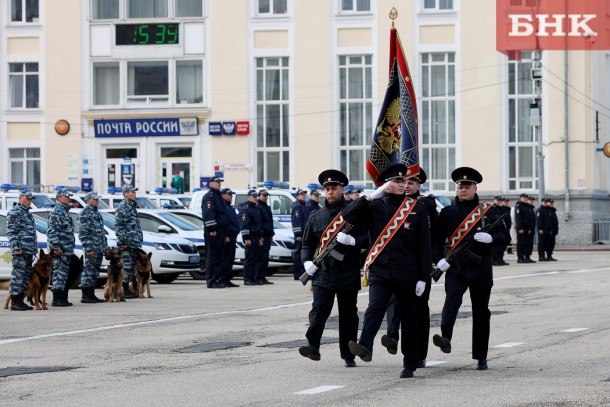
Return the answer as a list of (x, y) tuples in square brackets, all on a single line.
[(169, 167), (120, 168)]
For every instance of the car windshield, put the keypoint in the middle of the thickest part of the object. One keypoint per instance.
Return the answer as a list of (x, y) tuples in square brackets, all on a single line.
[(443, 200), (186, 200), (180, 223), (108, 219), (145, 203), (192, 218), (42, 201), (41, 224)]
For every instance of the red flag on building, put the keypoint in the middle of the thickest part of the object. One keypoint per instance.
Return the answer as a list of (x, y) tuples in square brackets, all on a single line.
[(395, 135)]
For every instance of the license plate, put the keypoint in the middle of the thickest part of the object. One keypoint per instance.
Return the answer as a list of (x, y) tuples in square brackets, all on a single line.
[(193, 259)]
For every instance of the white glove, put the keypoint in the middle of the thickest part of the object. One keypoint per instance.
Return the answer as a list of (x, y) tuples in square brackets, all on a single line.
[(483, 237), (378, 193), (310, 268), (420, 288), (347, 240), (443, 265)]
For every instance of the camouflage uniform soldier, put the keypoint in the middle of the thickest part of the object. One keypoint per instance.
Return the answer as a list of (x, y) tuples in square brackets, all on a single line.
[(92, 237), (21, 233), (129, 235), (61, 243)]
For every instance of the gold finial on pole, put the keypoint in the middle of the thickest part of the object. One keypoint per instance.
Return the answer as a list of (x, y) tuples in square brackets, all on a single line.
[(393, 15)]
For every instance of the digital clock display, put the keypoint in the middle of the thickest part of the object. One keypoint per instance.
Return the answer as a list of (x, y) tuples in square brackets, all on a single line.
[(147, 34)]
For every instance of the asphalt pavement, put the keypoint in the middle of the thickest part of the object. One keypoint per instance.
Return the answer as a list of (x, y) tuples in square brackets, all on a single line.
[(190, 345)]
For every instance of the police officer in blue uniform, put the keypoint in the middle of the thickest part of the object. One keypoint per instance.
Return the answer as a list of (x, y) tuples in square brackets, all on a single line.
[(267, 233), (299, 220), (21, 233), (61, 243), (215, 222), (93, 239), (250, 226), (129, 236), (314, 201), (228, 249)]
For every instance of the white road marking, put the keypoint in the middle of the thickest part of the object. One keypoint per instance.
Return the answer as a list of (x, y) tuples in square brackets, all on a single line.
[(548, 273), (434, 362), (587, 270), (508, 345), (575, 330), (320, 389)]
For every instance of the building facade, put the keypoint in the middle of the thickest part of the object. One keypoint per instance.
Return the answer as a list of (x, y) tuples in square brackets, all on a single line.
[(283, 89)]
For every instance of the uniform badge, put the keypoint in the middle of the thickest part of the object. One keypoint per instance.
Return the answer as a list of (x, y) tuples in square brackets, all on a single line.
[(209, 205), (407, 225), (296, 214), (243, 217)]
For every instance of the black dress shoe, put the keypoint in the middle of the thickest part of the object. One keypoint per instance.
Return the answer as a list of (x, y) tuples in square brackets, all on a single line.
[(482, 365), (249, 282), (230, 284), (406, 373), (310, 352), (421, 364), (350, 363), (520, 260), (360, 350), (528, 260), (550, 258), (265, 281), (543, 259), (504, 263), (443, 343), (216, 285), (390, 344)]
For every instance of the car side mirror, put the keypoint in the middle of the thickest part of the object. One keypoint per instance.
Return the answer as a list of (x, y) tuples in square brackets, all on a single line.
[(164, 229)]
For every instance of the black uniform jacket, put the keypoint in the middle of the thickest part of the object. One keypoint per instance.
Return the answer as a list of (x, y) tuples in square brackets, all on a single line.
[(214, 211), (525, 216), (448, 221), (406, 258), (233, 222), (543, 219), (266, 218), (553, 220), (430, 205), (335, 275), (250, 224)]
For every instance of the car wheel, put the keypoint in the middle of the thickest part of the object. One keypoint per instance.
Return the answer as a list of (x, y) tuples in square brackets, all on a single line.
[(164, 278)]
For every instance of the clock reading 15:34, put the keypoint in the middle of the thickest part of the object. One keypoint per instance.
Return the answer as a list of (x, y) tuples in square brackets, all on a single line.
[(147, 34)]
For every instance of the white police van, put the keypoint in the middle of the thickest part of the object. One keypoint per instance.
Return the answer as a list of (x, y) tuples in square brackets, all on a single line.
[(9, 197)]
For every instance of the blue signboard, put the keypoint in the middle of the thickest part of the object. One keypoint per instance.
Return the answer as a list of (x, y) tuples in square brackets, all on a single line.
[(228, 128), (215, 128), (146, 127)]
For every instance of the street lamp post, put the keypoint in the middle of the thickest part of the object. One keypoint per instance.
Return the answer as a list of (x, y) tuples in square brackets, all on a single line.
[(535, 118)]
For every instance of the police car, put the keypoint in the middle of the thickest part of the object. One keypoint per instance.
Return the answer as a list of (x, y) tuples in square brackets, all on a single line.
[(9, 197), (77, 200), (168, 198), (115, 195)]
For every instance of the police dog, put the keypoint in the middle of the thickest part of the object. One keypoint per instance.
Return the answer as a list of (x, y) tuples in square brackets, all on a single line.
[(142, 274), (113, 290), (39, 283)]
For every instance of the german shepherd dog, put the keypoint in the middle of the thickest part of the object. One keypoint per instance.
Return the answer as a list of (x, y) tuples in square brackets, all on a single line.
[(113, 290), (39, 283), (142, 274)]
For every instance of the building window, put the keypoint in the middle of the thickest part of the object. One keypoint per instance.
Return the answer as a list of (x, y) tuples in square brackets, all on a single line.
[(24, 11), (189, 8), (355, 6), (272, 7), (522, 144), (272, 128), (25, 166), (146, 8), (106, 83), (23, 85), (147, 82), (438, 118), (105, 9), (189, 82), (438, 5), (355, 115)]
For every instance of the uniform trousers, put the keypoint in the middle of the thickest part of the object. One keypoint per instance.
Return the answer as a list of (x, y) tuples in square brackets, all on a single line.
[(297, 264), (380, 293), (61, 268), (550, 245), (228, 258), (21, 274), (323, 301), (525, 243), (213, 256), (455, 287), (92, 270), (423, 321), (130, 258), (252, 258), (263, 265)]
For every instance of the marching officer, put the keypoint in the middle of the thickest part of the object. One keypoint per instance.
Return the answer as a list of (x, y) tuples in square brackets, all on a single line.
[(250, 225), (554, 229), (93, 239), (390, 340), (21, 233), (129, 236), (298, 217), (525, 224), (228, 249), (337, 278), (214, 212), (458, 222), (267, 234), (399, 260), (61, 242), (314, 202)]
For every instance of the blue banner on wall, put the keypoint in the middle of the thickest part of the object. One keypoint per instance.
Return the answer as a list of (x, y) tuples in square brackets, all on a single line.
[(215, 128), (146, 127)]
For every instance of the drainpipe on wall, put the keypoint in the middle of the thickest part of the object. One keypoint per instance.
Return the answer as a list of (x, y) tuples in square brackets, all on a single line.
[(565, 137)]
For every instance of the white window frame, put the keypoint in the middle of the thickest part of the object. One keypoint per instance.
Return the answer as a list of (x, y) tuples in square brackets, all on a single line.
[(171, 12), (354, 9), (365, 132), (437, 5), (283, 150), (447, 147), (24, 161), (24, 74), (271, 12), (24, 10)]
